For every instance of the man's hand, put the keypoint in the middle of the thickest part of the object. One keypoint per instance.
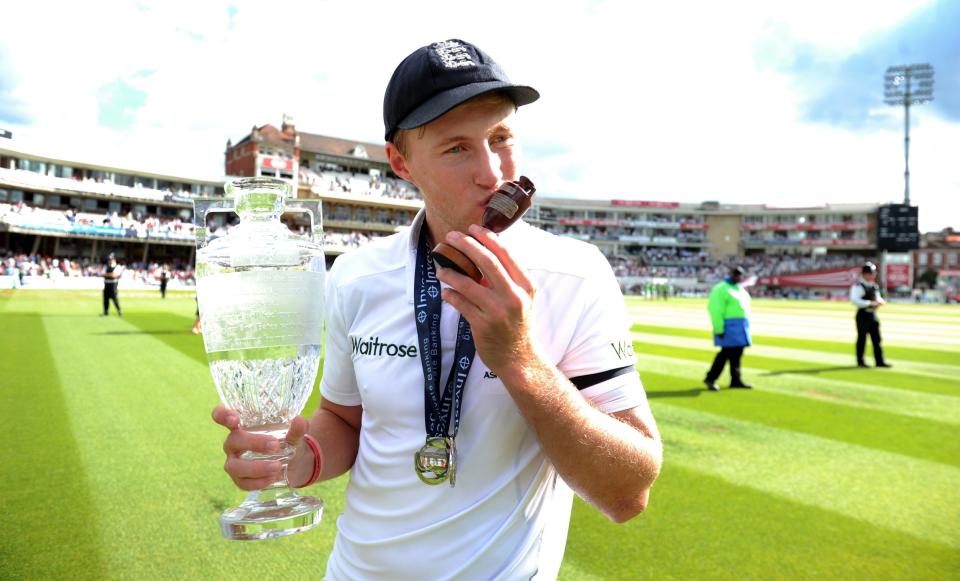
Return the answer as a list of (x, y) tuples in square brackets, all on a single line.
[(499, 308), (253, 474)]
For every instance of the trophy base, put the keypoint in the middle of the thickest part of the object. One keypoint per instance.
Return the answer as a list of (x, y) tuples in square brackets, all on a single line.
[(449, 257), (258, 518)]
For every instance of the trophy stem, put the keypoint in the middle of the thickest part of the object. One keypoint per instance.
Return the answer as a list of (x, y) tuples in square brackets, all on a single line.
[(274, 511)]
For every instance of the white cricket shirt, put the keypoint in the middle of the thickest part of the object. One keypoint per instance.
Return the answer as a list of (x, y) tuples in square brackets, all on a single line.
[(508, 515)]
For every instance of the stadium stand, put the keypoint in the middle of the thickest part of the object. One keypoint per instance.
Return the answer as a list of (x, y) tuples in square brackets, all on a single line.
[(31, 270), (77, 212)]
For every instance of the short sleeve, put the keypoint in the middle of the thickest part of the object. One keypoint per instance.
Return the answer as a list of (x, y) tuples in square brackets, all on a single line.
[(339, 382), (600, 360)]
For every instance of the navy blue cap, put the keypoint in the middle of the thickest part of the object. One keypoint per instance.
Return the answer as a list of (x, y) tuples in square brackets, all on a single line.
[(438, 77)]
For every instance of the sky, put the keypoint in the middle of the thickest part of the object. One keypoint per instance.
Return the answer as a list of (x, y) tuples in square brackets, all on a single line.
[(748, 102)]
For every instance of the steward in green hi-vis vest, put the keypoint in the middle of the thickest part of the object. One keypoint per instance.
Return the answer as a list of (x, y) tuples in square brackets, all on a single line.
[(729, 308)]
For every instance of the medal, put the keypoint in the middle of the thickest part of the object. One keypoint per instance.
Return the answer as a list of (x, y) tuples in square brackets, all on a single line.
[(452, 471), (436, 461)]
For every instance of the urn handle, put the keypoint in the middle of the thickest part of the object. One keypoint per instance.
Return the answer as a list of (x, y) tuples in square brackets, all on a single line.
[(252, 198)]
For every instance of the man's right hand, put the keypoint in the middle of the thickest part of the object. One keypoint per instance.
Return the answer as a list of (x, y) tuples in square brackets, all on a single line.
[(253, 474)]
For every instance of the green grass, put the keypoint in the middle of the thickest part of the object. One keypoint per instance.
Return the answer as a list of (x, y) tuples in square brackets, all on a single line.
[(113, 469), (897, 351)]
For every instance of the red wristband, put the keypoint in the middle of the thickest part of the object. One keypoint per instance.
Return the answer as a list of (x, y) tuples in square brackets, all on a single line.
[(317, 460)]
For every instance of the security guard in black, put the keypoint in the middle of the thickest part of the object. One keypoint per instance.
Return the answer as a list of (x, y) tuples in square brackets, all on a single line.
[(865, 294), (111, 278)]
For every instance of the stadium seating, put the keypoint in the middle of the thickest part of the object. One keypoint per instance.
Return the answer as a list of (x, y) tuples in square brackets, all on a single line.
[(327, 181), (89, 186)]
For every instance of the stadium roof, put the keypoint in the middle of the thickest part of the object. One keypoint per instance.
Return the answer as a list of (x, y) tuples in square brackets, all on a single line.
[(342, 147), (818, 209), (270, 134), (711, 207), (64, 159)]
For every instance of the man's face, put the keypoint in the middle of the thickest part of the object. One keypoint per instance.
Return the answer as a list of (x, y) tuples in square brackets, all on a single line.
[(869, 276), (459, 161)]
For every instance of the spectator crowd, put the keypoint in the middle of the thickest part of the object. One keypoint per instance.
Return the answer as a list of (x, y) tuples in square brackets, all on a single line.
[(674, 263), (23, 265), (111, 224), (358, 183)]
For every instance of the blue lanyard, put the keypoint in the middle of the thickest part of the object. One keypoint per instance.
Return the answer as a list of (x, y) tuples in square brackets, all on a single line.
[(426, 310)]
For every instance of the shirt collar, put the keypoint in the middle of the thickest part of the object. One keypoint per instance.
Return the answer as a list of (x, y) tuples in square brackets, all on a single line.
[(414, 238)]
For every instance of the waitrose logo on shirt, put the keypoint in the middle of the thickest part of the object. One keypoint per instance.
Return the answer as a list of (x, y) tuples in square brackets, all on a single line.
[(374, 347)]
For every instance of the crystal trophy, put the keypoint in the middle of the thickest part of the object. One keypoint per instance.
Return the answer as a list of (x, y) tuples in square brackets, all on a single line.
[(260, 290)]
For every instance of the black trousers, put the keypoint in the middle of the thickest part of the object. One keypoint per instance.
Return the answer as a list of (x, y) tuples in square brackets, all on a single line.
[(163, 289), (110, 293), (868, 324), (731, 354)]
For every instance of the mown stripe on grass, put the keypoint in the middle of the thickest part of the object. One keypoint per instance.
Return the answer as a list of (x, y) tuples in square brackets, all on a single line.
[(941, 321), (939, 408), (893, 491), (144, 433), (792, 305), (699, 526), (933, 336), (894, 352), (49, 524), (173, 330), (951, 372), (922, 439), (891, 378), (891, 312)]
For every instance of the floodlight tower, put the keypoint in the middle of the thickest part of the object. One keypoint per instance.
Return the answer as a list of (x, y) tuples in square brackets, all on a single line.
[(908, 85)]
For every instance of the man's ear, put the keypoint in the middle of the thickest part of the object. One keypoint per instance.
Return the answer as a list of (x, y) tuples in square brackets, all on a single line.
[(398, 163)]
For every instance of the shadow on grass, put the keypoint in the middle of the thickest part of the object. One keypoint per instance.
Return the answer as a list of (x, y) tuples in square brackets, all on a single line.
[(158, 325), (218, 504), (813, 371), (675, 393), (48, 532)]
